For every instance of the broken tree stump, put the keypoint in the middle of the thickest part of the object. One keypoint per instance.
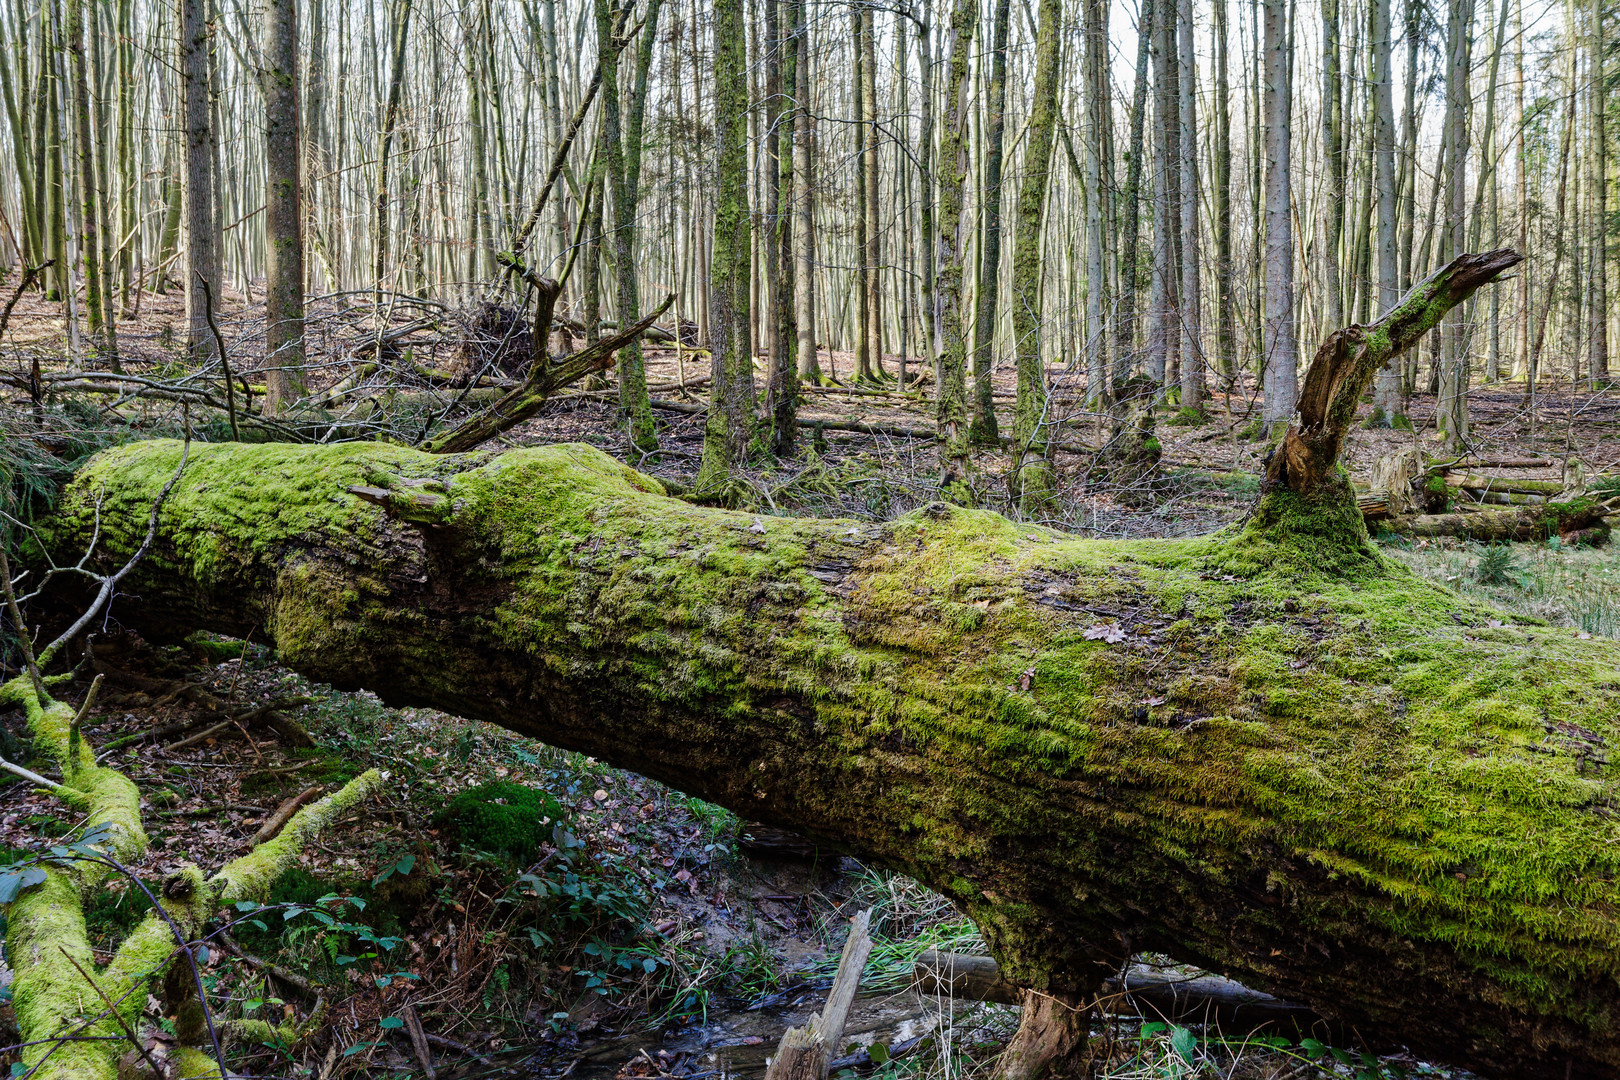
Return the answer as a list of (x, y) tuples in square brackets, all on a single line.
[(805, 1053)]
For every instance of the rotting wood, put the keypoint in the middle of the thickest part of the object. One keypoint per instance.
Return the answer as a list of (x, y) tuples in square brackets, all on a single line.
[(805, 1053)]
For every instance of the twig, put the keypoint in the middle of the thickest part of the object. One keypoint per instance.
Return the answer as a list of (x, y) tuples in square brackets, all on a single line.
[(113, 1011), (291, 978), (413, 1027), (283, 814), (67, 793), (197, 738), (23, 641), (224, 361), (110, 582)]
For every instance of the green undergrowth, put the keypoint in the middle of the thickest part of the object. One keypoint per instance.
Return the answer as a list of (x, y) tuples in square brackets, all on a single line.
[(1575, 587), (502, 818)]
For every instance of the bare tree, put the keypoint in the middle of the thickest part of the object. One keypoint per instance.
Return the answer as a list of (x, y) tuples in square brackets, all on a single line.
[(284, 213), (1279, 352)]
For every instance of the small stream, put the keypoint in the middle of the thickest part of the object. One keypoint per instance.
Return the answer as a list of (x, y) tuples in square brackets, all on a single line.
[(731, 1043)]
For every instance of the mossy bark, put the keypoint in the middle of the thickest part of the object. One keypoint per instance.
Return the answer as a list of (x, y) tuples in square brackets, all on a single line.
[(730, 425), (73, 1015), (951, 405), (1268, 751)]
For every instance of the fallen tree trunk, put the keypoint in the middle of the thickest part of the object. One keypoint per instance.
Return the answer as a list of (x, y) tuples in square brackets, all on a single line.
[(1581, 519), (1267, 752), (1143, 991)]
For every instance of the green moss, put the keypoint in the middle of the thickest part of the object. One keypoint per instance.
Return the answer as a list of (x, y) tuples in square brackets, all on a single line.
[(1154, 726), (501, 818)]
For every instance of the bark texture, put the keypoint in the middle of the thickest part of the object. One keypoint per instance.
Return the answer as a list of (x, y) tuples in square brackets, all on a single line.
[(1268, 751)]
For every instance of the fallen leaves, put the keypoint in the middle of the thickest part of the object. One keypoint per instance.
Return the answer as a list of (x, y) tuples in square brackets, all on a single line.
[(1110, 633)]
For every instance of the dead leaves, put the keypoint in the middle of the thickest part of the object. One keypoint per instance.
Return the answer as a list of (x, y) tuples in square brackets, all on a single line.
[(1110, 633)]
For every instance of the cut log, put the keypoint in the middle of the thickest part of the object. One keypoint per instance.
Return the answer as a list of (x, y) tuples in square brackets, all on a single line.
[(1268, 752)]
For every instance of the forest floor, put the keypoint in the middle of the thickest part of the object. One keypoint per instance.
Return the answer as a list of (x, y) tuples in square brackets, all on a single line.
[(639, 932)]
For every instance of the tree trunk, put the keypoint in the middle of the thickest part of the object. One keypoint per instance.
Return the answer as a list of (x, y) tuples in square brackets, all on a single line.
[(84, 155), (1387, 398), (1269, 752), (863, 266), (1279, 352), (1033, 478), (1451, 411), (1225, 315), (804, 246), (1129, 272), (382, 230), (284, 212), (1098, 180), (1190, 293), (202, 257), (1597, 361), (783, 404), (731, 396), (951, 408), (984, 430), (872, 257)]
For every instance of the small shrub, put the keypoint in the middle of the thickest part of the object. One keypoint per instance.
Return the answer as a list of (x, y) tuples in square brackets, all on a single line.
[(1499, 566), (501, 818)]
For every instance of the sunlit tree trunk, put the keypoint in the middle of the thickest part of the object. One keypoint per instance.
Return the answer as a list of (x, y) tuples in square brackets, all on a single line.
[(284, 213)]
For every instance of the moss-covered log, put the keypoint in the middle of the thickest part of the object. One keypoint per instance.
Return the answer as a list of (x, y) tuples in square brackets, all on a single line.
[(1269, 752), (78, 1018)]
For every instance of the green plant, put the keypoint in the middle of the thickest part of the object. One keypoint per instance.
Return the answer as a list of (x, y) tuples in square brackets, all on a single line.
[(502, 818), (1499, 566)]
